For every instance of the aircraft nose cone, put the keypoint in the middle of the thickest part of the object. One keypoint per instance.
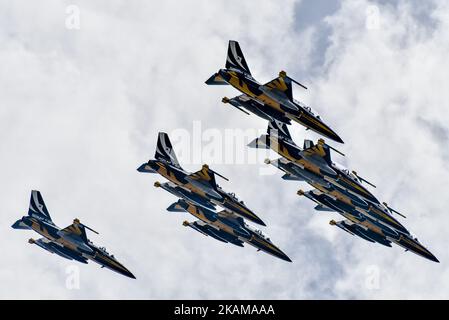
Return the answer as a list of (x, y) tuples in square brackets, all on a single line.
[(259, 221), (433, 258), (285, 257), (337, 138), (129, 275), (327, 131), (124, 271)]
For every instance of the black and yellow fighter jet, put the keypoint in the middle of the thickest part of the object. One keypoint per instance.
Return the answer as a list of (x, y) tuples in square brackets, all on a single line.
[(313, 163), (199, 187), (271, 101), (70, 243), (225, 226), (366, 224)]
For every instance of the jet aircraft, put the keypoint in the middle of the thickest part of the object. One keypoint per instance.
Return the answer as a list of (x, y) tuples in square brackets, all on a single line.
[(70, 243), (224, 226), (313, 163), (376, 211), (199, 187), (271, 101), (368, 227)]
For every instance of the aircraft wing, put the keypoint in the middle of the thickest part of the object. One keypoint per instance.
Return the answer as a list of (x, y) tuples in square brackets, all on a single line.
[(280, 89), (319, 154), (281, 85), (231, 217), (205, 175), (75, 231), (204, 180)]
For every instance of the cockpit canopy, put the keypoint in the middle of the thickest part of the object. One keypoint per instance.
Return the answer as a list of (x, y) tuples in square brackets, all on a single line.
[(307, 108), (346, 171), (103, 250), (257, 231)]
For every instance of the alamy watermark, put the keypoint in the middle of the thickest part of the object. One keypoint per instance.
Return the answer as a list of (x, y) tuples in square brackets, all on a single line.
[(72, 20), (372, 20), (72, 281), (198, 146)]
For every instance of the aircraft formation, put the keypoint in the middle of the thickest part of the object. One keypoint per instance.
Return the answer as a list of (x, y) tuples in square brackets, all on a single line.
[(335, 188), (220, 214), (199, 194)]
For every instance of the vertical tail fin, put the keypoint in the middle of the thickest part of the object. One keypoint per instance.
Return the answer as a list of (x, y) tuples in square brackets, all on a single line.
[(277, 128), (235, 58), (164, 150), (37, 207)]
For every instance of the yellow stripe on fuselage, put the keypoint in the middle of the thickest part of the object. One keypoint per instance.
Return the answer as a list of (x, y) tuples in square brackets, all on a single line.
[(353, 184), (172, 177), (243, 87), (384, 215), (414, 244), (41, 229), (264, 243), (312, 119)]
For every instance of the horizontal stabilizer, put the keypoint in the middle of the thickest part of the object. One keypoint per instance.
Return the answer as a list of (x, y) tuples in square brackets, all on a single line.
[(145, 168), (175, 207), (260, 143), (19, 225), (216, 79)]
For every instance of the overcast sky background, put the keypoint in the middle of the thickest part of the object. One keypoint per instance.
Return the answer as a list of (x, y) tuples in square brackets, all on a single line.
[(81, 109)]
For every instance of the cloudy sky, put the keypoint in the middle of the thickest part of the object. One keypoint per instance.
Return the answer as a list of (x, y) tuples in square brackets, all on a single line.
[(87, 85)]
